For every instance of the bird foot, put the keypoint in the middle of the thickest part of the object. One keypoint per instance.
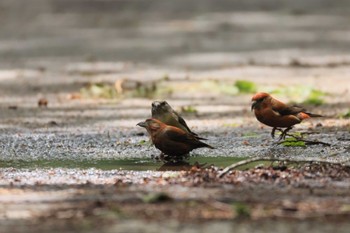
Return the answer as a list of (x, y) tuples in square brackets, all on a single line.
[(170, 159), (160, 157), (284, 133), (274, 130)]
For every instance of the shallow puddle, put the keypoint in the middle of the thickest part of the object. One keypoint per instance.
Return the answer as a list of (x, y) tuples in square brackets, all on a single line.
[(123, 164)]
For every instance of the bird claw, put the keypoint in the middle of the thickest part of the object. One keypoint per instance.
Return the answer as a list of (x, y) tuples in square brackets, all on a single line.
[(170, 159), (274, 130), (284, 133), (160, 157), (281, 137)]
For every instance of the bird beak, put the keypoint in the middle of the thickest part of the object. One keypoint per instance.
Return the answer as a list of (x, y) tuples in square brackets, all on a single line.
[(142, 124), (254, 103)]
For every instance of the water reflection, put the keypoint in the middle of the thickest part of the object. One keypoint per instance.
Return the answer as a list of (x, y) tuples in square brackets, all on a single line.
[(180, 166), (135, 164)]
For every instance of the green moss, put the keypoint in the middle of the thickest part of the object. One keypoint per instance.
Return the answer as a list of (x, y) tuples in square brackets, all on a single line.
[(302, 94), (99, 90), (189, 109), (241, 209), (345, 115), (142, 142), (293, 142), (245, 86), (297, 134), (315, 98), (233, 125), (212, 86), (147, 90), (139, 90), (156, 198), (250, 134), (314, 101), (227, 89)]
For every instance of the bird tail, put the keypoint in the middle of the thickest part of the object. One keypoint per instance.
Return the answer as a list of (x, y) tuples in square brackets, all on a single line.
[(206, 145), (200, 138), (313, 115), (305, 115), (210, 147)]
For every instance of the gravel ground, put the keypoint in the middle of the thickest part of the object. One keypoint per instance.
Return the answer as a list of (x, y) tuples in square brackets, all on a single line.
[(106, 129)]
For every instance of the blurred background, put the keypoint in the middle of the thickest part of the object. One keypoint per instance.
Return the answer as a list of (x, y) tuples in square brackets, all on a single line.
[(197, 34), (76, 76)]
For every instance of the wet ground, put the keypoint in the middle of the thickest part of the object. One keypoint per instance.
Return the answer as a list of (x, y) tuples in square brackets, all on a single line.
[(82, 164)]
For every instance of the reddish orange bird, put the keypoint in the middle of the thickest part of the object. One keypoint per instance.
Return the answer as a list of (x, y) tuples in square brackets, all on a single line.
[(171, 140), (276, 114)]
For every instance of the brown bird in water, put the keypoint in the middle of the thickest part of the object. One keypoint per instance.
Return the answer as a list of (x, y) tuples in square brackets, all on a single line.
[(170, 140), (276, 114), (162, 111)]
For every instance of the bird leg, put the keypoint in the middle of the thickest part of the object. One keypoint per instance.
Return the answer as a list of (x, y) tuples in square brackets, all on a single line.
[(284, 133), (160, 157), (170, 159), (273, 131), (177, 159)]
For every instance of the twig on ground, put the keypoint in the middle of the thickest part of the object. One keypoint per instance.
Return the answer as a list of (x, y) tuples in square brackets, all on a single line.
[(307, 142), (248, 161)]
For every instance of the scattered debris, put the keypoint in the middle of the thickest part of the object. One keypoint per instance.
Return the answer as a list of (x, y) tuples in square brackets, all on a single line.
[(42, 102), (283, 160), (13, 107)]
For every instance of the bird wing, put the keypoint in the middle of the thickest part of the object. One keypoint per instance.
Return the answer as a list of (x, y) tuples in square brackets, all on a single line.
[(183, 122), (283, 109), (183, 138), (178, 135), (291, 110)]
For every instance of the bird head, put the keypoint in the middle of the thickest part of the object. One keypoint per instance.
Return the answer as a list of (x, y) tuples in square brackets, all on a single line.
[(152, 125), (258, 98), (160, 107)]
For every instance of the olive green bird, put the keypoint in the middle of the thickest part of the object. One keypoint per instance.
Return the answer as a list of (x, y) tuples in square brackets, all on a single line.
[(162, 111)]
